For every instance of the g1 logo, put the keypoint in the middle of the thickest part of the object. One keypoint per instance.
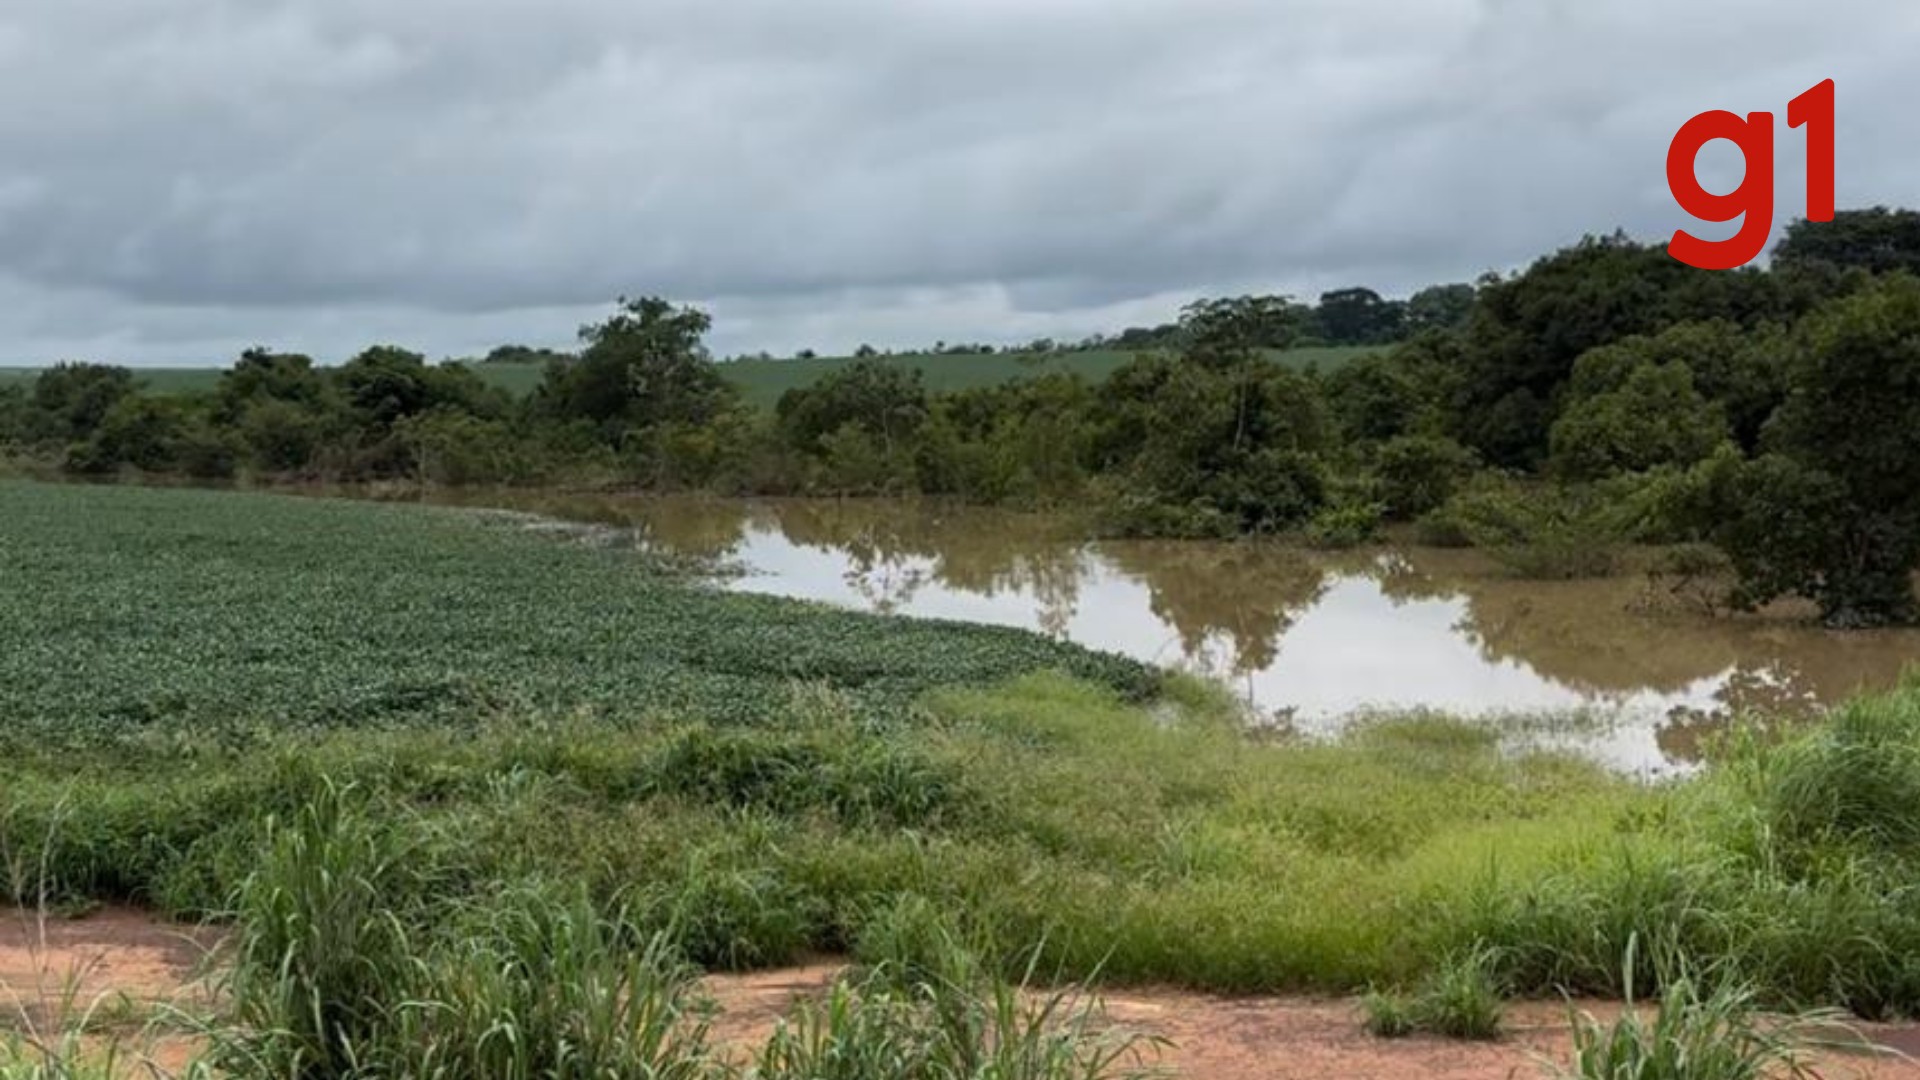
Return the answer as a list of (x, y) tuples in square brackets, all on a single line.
[(1812, 110)]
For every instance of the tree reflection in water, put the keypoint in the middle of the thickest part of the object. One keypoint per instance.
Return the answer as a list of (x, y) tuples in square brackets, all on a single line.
[(1298, 633)]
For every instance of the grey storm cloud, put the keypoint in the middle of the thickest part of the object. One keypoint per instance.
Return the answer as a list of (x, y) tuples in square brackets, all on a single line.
[(179, 178)]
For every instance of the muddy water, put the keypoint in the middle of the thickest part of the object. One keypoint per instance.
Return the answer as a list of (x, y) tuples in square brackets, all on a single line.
[(1616, 667)]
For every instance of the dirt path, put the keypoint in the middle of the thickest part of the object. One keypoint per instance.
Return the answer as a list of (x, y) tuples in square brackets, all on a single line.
[(1285, 1038), (127, 962)]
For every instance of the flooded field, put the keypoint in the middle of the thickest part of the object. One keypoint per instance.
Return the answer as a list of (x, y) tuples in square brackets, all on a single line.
[(1618, 667)]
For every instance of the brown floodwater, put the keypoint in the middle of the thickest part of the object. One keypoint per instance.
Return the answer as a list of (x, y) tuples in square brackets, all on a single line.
[(1617, 667)]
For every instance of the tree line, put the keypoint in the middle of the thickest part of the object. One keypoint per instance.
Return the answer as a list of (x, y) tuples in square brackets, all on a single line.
[(1766, 420), (1354, 316)]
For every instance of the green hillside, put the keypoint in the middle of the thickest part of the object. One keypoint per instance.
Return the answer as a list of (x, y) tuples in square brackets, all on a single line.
[(764, 381)]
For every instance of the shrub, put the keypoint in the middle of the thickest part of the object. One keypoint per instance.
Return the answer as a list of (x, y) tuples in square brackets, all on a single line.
[(1546, 532), (1415, 474), (1271, 491), (1344, 525), (1631, 421), (1832, 511)]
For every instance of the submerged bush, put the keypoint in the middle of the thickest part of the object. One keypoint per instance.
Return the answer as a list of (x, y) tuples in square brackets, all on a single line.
[(1344, 525), (1546, 532), (1415, 474)]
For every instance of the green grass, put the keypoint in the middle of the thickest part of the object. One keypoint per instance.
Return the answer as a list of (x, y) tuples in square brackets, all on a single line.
[(754, 780), (1459, 999), (763, 381), (1701, 1029)]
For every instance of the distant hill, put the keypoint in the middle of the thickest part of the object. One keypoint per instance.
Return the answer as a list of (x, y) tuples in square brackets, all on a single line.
[(763, 381)]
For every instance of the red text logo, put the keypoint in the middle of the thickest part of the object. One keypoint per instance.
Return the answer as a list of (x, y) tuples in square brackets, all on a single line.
[(1752, 201)]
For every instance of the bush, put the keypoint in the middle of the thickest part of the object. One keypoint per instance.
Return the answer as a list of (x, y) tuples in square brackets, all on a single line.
[(1344, 525), (1832, 511), (456, 448), (1648, 416), (1271, 491), (1415, 474), (1542, 532)]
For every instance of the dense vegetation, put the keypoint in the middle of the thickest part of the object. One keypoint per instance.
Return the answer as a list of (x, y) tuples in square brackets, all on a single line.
[(762, 381), (451, 775), (1606, 394)]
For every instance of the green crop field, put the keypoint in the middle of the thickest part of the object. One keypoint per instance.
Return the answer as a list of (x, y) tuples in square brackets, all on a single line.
[(763, 381), (196, 611)]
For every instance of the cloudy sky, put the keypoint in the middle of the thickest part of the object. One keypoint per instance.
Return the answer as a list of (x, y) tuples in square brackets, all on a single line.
[(181, 178)]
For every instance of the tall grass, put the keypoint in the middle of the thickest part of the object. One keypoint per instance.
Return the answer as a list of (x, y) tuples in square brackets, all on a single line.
[(350, 965), (1699, 1031), (541, 986), (1460, 999), (322, 955), (1147, 847), (923, 1007)]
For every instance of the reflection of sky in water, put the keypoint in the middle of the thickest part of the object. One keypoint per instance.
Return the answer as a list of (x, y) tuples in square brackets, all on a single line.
[(1354, 649)]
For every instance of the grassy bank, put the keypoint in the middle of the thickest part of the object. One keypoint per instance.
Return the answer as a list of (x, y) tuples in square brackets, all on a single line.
[(756, 779)]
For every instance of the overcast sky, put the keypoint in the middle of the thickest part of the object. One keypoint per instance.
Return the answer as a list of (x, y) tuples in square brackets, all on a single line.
[(182, 178)]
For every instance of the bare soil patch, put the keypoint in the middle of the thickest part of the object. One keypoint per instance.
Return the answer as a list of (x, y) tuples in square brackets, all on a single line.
[(130, 963)]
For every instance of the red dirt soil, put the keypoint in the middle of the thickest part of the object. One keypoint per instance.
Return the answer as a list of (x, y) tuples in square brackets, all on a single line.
[(44, 963), (1288, 1038)]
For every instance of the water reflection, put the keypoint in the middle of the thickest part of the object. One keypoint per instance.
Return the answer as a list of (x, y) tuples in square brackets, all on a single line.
[(1307, 639)]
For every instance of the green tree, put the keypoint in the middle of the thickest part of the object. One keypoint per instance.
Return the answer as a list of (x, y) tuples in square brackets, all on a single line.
[(1375, 397), (1440, 307), (384, 385), (523, 354), (1413, 474), (645, 365), (1359, 316), (1526, 332), (139, 431), (1631, 420), (1831, 511), (1224, 330), (263, 375), (281, 436), (13, 415), (70, 399), (883, 401), (1215, 436), (1877, 240)]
